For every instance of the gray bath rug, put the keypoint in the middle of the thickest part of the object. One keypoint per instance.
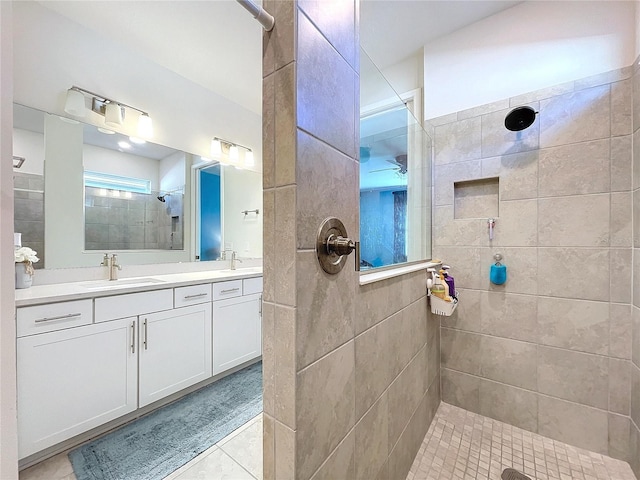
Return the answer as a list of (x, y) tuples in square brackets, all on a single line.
[(157, 444), (511, 474)]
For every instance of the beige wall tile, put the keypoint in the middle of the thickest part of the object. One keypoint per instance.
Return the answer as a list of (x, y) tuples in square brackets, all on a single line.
[(483, 109), (509, 315), (338, 29), (508, 361), (575, 117), (330, 90), (580, 221), (621, 220), (518, 174), (497, 140), (332, 178), (405, 394), (408, 335), (374, 303), (461, 351), (373, 367), (620, 331), (458, 141), (268, 358), (326, 308), (341, 462), (268, 132), (619, 386), (433, 359), (574, 324), (621, 270), (636, 278), (509, 404), (635, 394), (621, 161), (636, 218), (603, 78), (541, 94), (522, 269), (574, 376), (447, 174), (285, 452), (324, 408), (285, 126), (621, 120), (634, 448), (584, 427), (447, 231), (468, 314), (285, 365), (278, 45), (583, 274), (268, 447), (268, 242), (461, 390), (636, 155), (405, 450), (635, 317), (619, 435), (371, 439), (464, 262), (516, 225), (284, 266), (576, 169)]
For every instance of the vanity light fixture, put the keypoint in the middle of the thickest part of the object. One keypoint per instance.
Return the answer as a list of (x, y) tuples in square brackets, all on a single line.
[(113, 112), (220, 147)]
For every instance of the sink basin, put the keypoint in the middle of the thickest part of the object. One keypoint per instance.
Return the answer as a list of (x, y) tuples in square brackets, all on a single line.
[(128, 282)]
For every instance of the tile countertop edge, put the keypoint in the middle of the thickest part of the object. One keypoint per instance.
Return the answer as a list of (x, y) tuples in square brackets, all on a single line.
[(63, 292)]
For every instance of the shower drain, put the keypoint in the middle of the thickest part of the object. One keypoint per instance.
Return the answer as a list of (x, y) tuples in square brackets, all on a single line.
[(511, 474)]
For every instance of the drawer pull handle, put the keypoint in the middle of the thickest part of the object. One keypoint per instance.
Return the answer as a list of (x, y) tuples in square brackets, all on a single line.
[(60, 317), (229, 290), (188, 297), (144, 342), (133, 337)]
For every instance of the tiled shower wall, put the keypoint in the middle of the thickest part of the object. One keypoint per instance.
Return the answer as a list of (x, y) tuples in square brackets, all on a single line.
[(550, 350), (634, 434), (28, 213), (351, 373)]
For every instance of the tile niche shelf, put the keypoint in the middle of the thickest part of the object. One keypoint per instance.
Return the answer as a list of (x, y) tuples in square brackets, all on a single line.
[(476, 198)]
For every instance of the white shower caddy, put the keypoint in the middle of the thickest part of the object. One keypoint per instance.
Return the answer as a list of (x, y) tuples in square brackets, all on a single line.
[(440, 307)]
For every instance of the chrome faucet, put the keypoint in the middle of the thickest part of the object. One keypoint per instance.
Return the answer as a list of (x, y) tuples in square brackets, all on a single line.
[(234, 259), (112, 264)]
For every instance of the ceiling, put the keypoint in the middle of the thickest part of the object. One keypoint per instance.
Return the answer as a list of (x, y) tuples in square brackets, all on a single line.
[(217, 44)]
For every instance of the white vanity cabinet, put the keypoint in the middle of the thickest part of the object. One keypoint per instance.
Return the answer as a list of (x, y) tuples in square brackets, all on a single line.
[(74, 379), (237, 326), (175, 351)]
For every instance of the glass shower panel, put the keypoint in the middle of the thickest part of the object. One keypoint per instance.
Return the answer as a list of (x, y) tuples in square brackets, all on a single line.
[(395, 174)]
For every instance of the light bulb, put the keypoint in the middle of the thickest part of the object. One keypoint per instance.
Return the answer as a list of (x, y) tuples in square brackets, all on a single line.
[(113, 114), (216, 148), (74, 104), (233, 153), (249, 161), (145, 126)]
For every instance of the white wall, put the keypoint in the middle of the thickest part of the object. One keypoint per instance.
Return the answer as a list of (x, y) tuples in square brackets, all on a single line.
[(104, 160), (30, 146), (242, 190), (172, 172), (8, 422), (53, 53), (527, 47)]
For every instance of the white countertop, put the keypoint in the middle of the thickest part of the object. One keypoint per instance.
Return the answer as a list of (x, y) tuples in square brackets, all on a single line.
[(59, 292)]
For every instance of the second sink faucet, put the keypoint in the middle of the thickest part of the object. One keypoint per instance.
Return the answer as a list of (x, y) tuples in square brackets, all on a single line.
[(112, 263), (234, 259)]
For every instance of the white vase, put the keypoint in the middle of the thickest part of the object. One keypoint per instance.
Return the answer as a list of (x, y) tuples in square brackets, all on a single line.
[(23, 277)]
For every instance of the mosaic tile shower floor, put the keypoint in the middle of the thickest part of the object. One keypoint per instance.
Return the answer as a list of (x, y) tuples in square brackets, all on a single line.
[(461, 445)]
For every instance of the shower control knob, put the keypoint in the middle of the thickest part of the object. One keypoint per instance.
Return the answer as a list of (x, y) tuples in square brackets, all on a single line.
[(340, 245), (333, 246)]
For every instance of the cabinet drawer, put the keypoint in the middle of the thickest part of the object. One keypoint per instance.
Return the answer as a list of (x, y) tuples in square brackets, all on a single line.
[(191, 295), (229, 289), (133, 304), (251, 286), (53, 316)]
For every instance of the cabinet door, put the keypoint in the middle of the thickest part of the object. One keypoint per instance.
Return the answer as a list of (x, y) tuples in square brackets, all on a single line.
[(175, 351), (73, 380), (237, 331)]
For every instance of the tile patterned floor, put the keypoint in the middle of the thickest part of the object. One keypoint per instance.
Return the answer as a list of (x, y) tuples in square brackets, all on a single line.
[(238, 456), (461, 445)]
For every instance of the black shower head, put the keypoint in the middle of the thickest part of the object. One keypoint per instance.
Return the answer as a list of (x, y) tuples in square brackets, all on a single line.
[(161, 198), (520, 118)]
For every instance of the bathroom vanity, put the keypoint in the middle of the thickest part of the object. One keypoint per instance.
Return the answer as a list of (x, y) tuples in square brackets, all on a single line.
[(89, 353)]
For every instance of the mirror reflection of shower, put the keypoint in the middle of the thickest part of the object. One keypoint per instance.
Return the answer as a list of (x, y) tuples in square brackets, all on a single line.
[(162, 198)]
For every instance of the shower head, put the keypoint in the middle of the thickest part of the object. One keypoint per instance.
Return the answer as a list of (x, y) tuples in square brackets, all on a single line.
[(162, 197), (520, 118)]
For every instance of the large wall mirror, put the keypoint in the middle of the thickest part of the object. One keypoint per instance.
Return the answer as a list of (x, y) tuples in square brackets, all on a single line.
[(83, 190)]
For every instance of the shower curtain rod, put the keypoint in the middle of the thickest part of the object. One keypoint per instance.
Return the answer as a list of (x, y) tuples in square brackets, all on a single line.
[(259, 14)]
